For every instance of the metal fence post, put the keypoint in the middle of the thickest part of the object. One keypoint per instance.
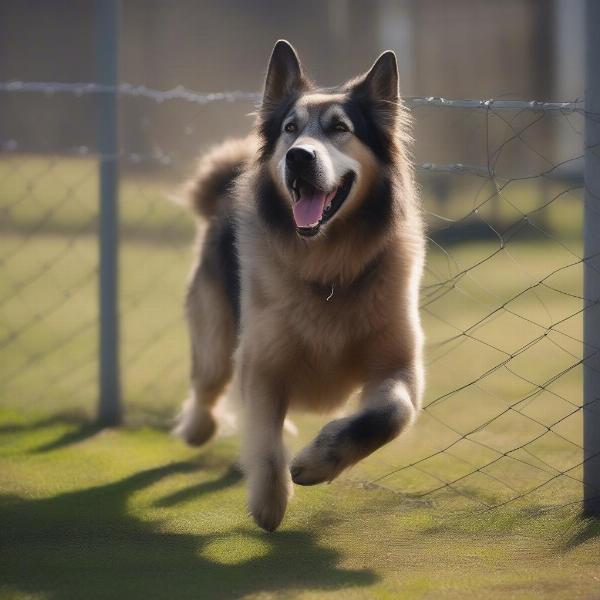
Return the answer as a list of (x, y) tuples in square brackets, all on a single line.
[(591, 271), (107, 14)]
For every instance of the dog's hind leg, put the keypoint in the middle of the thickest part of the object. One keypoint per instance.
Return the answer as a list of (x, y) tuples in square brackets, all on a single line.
[(211, 325), (389, 405)]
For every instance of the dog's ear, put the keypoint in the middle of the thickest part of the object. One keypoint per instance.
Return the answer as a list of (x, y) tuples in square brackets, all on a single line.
[(379, 85), (376, 95), (284, 75)]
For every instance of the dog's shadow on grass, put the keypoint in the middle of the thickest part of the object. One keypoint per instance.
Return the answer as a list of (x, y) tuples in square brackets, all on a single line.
[(230, 477), (86, 544)]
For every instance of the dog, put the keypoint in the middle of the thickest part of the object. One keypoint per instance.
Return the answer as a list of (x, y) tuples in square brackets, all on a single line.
[(306, 286)]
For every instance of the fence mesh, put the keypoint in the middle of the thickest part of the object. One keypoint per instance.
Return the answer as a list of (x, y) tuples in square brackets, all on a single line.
[(501, 301)]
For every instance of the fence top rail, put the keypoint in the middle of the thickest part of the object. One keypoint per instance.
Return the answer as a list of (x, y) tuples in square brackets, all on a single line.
[(181, 93)]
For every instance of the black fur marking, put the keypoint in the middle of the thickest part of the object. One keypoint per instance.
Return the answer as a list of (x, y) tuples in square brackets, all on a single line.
[(272, 208), (359, 107), (222, 262), (269, 126), (333, 457), (376, 213), (224, 181), (372, 428)]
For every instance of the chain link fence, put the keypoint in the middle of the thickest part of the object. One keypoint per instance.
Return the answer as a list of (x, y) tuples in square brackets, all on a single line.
[(502, 301)]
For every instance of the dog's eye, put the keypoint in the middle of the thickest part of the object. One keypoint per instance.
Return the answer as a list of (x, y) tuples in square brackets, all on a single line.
[(291, 127), (340, 126)]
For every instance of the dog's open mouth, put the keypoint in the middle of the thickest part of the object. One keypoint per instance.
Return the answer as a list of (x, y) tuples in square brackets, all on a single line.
[(312, 206)]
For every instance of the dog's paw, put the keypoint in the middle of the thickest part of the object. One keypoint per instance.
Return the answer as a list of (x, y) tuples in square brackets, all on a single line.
[(269, 492), (323, 459), (195, 425)]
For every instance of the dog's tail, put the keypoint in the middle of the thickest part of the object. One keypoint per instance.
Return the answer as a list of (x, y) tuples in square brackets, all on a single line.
[(216, 174)]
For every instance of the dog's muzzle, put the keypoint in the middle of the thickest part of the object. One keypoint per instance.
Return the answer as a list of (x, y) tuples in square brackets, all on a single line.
[(300, 159)]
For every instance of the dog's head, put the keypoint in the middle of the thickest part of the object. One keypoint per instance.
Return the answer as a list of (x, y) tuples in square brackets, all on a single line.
[(325, 149)]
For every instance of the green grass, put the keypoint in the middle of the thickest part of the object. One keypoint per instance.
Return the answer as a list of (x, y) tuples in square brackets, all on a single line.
[(132, 513)]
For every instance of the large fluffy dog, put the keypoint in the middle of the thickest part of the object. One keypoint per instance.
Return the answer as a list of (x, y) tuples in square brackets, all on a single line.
[(306, 286)]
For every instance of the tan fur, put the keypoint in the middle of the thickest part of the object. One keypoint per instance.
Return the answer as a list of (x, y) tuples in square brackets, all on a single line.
[(320, 319), (212, 333), (329, 347), (215, 172)]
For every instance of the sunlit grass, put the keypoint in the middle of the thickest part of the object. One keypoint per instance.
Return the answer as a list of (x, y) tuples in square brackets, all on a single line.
[(502, 318), (135, 514)]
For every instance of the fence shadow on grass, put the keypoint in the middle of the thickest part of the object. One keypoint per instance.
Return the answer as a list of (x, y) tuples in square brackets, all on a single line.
[(61, 418), (80, 429), (81, 433), (87, 544), (586, 528)]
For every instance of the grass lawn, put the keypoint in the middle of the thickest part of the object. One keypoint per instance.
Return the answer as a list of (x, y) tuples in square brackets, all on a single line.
[(478, 500), (134, 514)]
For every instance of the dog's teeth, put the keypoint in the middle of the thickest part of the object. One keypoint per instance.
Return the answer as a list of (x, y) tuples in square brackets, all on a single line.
[(295, 190)]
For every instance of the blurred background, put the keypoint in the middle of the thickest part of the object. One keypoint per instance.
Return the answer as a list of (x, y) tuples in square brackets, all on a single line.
[(524, 49), (502, 195)]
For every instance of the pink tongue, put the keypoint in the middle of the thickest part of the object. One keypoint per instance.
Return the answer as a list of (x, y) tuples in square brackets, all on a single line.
[(308, 210)]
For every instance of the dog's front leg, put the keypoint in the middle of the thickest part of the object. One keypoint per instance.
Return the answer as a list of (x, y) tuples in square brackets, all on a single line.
[(388, 406), (263, 454)]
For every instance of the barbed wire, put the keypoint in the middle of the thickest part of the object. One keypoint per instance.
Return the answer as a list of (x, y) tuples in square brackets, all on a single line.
[(518, 450), (182, 93)]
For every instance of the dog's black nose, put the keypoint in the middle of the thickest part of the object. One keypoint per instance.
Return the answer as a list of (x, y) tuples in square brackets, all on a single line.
[(300, 156)]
